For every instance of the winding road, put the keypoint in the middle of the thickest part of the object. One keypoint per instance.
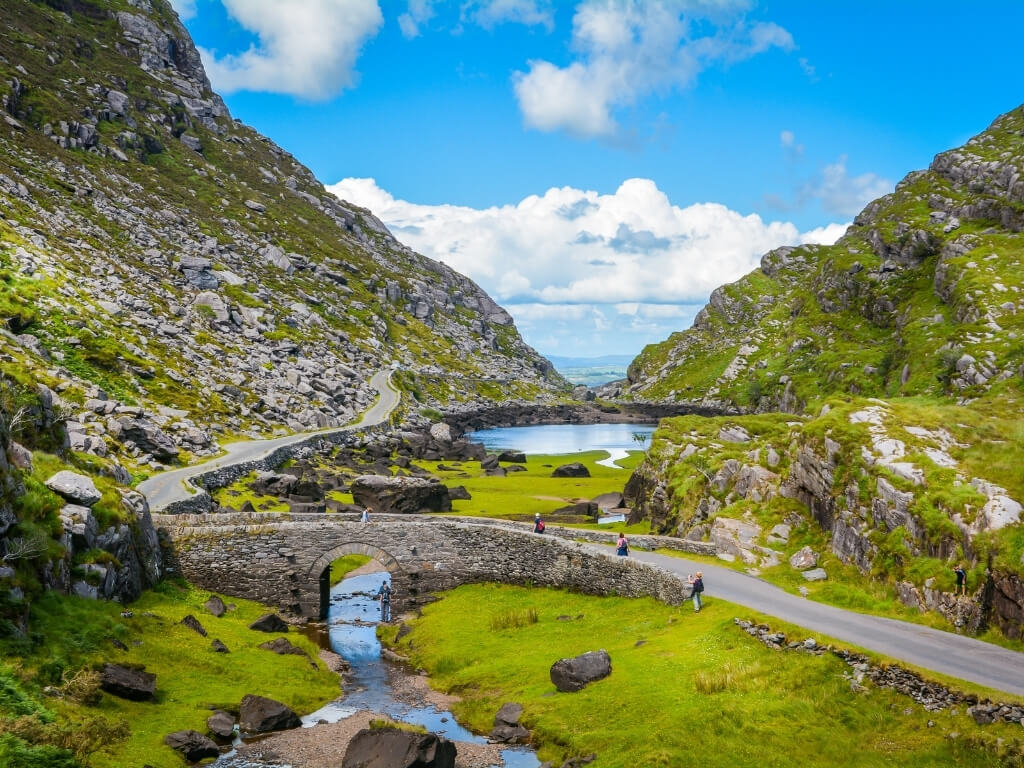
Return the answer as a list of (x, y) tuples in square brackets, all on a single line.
[(958, 656), (169, 487)]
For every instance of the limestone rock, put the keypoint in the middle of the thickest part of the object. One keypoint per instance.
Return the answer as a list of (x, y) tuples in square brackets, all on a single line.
[(215, 606), (506, 725), (803, 559), (570, 675), (221, 724), (815, 574), (735, 537), (76, 488)]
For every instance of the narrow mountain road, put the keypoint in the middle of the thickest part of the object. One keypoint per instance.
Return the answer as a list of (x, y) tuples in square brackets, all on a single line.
[(944, 652), (169, 487)]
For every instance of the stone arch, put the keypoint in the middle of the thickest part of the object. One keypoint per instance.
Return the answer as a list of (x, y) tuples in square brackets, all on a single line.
[(320, 570)]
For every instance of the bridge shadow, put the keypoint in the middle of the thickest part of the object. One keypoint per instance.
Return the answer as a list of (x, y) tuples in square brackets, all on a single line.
[(321, 570)]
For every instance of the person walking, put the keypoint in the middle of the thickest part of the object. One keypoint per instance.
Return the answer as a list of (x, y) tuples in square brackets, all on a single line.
[(622, 546), (384, 593), (696, 589), (538, 524), (961, 580), (365, 517)]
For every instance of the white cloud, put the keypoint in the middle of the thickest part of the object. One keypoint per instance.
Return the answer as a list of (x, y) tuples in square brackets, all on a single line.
[(305, 49), (844, 195), (420, 12), (490, 13), (186, 9), (628, 49), (786, 138), (615, 264)]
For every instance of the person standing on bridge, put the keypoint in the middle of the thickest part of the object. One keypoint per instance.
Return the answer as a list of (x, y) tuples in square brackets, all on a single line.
[(384, 593), (365, 517), (696, 590)]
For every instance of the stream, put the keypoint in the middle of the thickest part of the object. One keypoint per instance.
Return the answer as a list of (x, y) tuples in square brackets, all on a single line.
[(351, 632)]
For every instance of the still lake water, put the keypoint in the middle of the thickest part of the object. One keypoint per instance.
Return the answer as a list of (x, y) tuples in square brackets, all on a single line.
[(616, 439)]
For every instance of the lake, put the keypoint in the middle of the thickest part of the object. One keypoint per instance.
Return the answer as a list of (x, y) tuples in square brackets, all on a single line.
[(616, 439)]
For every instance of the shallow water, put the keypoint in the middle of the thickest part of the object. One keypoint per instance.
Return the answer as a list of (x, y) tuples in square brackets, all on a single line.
[(616, 439), (352, 633)]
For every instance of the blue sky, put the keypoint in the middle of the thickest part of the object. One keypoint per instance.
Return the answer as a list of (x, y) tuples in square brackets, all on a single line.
[(600, 166)]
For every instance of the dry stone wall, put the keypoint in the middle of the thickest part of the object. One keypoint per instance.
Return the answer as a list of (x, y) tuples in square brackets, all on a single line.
[(278, 559)]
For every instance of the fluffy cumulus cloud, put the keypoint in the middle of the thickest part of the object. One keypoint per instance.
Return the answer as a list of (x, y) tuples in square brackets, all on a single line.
[(628, 49), (418, 13), (306, 49), (628, 263), (842, 194)]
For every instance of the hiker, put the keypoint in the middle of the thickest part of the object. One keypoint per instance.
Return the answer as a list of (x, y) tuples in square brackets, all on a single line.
[(622, 546), (365, 517), (696, 588), (384, 593), (961, 580), (538, 524)]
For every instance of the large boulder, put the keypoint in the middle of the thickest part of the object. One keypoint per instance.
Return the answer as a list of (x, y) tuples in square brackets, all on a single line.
[(395, 748), (570, 675), (506, 725), (575, 469), (269, 622), (147, 436), (512, 457), (192, 745), (803, 559), (127, 683), (76, 488), (258, 714), (403, 495), (274, 484)]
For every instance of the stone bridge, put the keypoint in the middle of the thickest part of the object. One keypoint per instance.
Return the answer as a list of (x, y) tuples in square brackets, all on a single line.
[(284, 559)]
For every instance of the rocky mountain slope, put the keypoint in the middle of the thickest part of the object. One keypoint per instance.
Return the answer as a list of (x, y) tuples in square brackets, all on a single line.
[(174, 276), (882, 378)]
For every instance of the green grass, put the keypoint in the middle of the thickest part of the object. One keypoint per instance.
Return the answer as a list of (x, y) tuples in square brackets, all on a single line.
[(191, 678), (519, 495), (695, 691)]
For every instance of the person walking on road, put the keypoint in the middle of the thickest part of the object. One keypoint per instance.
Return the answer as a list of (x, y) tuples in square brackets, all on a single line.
[(538, 524), (961, 580), (384, 593), (622, 546), (696, 589)]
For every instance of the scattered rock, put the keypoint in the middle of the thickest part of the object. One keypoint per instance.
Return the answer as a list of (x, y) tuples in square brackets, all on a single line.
[(570, 675), (575, 469), (506, 725), (192, 623), (400, 494), (815, 574), (215, 606), (221, 724), (219, 647), (269, 622), (803, 559), (512, 457), (128, 683), (192, 745), (283, 647), (258, 714)]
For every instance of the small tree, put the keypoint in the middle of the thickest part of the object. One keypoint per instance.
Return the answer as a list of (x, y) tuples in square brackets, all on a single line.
[(641, 437), (700, 463), (24, 548)]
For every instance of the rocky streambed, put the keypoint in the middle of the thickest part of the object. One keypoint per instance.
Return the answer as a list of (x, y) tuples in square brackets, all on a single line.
[(376, 688)]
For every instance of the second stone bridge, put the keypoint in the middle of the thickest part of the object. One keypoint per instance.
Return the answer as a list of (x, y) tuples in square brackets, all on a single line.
[(284, 559)]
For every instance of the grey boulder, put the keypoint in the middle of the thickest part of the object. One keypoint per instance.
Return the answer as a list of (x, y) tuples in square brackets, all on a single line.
[(127, 683), (76, 488), (506, 725), (401, 495), (269, 622), (192, 745), (570, 675), (221, 724), (258, 714), (575, 469)]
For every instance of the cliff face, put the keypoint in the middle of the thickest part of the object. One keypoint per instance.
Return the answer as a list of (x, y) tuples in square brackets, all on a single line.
[(165, 263), (882, 378)]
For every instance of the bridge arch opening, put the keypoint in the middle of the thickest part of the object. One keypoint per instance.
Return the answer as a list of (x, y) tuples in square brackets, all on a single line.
[(321, 568)]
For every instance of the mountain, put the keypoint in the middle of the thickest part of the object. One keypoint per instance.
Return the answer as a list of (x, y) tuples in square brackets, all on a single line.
[(173, 277), (882, 381)]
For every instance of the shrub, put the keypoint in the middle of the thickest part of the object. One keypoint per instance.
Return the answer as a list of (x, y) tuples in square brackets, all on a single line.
[(715, 680), (15, 753)]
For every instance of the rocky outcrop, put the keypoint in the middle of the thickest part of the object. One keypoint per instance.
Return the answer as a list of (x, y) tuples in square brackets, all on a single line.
[(402, 495)]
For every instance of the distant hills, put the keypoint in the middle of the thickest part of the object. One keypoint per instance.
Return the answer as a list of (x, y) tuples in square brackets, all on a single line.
[(592, 371)]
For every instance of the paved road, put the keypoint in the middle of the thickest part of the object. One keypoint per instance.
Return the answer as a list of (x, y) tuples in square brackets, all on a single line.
[(168, 487), (950, 654)]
